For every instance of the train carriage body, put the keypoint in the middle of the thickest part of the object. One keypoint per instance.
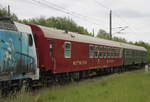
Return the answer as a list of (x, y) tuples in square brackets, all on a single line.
[(133, 55), (62, 52)]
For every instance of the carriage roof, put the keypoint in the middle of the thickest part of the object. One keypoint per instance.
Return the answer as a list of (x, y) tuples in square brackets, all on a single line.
[(70, 36)]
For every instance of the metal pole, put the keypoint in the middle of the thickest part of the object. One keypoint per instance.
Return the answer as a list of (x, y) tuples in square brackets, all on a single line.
[(93, 32), (8, 10), (110, 25)]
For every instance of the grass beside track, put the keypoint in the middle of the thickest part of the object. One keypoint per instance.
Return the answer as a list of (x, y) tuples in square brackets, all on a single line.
[(126, 87)]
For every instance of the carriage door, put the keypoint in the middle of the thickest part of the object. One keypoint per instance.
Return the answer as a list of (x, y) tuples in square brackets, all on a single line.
[(51, 54)]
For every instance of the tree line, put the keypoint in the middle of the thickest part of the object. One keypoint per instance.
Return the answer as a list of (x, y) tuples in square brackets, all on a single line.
[(67, 24)]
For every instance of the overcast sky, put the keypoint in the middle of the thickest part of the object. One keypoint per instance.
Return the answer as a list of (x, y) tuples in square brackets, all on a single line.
[(92, 14)]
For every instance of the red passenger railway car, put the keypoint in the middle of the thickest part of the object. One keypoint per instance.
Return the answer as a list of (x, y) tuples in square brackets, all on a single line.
[(61, 52)]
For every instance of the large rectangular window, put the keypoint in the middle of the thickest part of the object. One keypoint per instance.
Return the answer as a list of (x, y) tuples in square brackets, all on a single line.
[(112, 52), (108, 52), (100, 51), (67, 50), (105, 52), (115, 52), (91, 51), (96, 52), (118, 52)]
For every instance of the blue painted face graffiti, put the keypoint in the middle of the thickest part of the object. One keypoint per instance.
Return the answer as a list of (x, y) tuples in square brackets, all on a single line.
[(8, 55), (17, 58)]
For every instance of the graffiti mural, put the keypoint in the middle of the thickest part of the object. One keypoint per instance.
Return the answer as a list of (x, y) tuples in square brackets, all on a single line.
[(8, 55), (17, 58)]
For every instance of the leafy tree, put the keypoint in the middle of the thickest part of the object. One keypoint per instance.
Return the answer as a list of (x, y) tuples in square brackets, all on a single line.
[(4, 12), (103, 34), (59, 23), (119, 39)]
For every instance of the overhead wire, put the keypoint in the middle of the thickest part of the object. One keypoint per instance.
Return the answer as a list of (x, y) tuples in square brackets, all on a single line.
[(115, 14), (122, 19), (71, 11), (79, 16), (60, 9), (56, 7)]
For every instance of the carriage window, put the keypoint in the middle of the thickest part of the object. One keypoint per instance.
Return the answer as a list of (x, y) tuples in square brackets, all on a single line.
[(96, 52), (91, 51), (126, 53), (100, 51), (105, 52), (111, 52), (108, 52), (114, 52), (118, 52), (67, 50), (30, 40), (51, 50)]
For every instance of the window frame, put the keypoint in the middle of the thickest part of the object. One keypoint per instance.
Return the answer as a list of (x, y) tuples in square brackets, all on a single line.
[(108, 52), (30, 40), (91, 52), (96, 54), (67, 49), (105, 52), (112, 52), (101, 50)]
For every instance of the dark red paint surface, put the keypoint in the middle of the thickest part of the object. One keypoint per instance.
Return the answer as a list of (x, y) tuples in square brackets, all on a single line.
[(79, 55)]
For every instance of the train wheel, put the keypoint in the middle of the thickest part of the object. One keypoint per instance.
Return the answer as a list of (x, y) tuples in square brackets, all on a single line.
[(75, 76)]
